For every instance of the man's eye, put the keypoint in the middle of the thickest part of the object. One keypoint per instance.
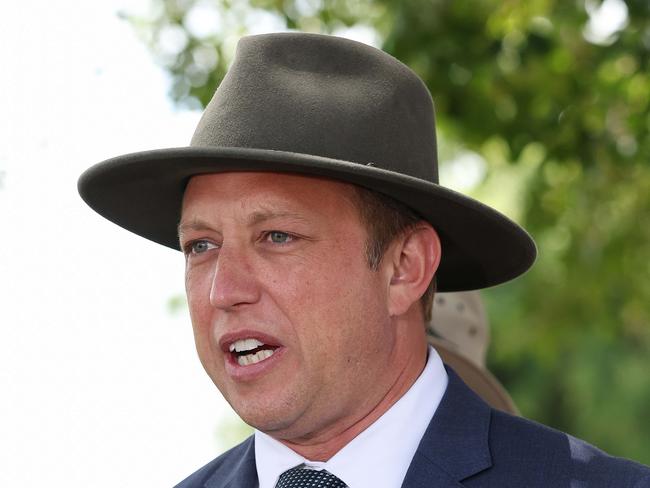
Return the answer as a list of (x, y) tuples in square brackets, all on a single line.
[(277, 237), (198, 247)]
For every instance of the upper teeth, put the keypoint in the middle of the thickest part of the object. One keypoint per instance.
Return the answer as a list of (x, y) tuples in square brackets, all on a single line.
[(245, 345)]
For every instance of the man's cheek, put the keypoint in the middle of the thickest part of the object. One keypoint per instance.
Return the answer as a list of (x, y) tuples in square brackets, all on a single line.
[(197, 290)]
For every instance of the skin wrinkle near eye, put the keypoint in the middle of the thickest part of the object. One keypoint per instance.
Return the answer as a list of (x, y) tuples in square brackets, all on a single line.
[(194, 225)]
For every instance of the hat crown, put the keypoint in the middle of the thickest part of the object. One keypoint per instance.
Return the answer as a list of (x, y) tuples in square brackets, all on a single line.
[(323, 96)]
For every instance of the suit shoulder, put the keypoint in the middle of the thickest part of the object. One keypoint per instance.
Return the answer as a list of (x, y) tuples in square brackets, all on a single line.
[(559, 458), (225, 464)]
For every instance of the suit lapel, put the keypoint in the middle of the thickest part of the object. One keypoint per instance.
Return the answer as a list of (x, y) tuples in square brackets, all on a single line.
[(455, 445), (242, 474)]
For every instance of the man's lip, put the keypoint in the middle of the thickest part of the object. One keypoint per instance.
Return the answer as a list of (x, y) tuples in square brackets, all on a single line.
[(227, 339)]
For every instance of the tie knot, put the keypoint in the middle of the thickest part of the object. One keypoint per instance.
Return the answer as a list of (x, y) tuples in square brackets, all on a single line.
[(300, 477)]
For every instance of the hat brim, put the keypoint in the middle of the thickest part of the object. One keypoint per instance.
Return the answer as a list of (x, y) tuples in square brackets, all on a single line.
[(480, 380), (143, 193)]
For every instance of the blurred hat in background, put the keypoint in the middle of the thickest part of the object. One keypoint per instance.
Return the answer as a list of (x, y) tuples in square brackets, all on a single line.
[(460, 332)]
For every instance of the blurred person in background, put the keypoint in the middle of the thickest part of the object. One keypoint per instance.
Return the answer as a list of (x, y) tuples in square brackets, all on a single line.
[(459, 331)]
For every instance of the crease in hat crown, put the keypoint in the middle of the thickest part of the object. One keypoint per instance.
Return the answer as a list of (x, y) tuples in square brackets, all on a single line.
[(326, 107)]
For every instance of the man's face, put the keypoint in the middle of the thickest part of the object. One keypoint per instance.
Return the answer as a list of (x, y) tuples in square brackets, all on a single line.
[(289, 321)]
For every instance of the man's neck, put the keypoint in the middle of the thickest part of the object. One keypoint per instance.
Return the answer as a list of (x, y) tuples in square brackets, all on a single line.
[(326, 444)]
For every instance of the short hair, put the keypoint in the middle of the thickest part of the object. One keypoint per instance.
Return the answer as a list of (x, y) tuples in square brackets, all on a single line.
[(386, 219)]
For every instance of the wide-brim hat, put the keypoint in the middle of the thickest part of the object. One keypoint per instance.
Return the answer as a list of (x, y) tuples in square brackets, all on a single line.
[(326, 107), (460, 331)]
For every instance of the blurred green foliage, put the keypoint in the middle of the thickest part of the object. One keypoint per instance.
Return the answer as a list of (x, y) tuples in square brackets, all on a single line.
[(230, 431), (549, 101)]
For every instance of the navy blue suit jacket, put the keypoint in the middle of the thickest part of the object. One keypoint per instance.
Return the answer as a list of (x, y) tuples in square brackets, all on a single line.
[(469, 444)]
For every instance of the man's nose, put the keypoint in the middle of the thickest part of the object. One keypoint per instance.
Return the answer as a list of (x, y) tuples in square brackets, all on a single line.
[(233, 283)]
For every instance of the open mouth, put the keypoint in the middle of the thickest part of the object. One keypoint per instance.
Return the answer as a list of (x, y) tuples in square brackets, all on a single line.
[(250, 351)]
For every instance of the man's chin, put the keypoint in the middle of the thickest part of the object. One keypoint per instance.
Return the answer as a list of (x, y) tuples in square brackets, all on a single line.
[(275, 418), (278, 427)]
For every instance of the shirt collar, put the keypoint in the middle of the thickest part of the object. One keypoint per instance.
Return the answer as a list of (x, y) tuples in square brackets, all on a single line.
[(380, 455)]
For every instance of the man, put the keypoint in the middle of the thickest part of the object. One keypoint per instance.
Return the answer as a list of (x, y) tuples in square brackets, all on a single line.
[(315, 235)]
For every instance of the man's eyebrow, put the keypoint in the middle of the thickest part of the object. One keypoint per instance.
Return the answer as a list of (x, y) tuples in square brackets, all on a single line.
[(194, 224), (261, 216)]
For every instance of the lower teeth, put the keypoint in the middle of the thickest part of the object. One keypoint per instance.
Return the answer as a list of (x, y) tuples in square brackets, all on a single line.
[(254, 358)]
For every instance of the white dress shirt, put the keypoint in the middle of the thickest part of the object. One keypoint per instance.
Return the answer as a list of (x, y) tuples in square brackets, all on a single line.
[(380, 455)]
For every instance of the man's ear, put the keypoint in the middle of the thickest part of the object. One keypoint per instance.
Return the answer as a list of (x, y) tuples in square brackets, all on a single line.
[(414, 258)]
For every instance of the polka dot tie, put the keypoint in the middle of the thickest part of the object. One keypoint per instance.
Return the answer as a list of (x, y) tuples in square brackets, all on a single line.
[(300, 477)]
